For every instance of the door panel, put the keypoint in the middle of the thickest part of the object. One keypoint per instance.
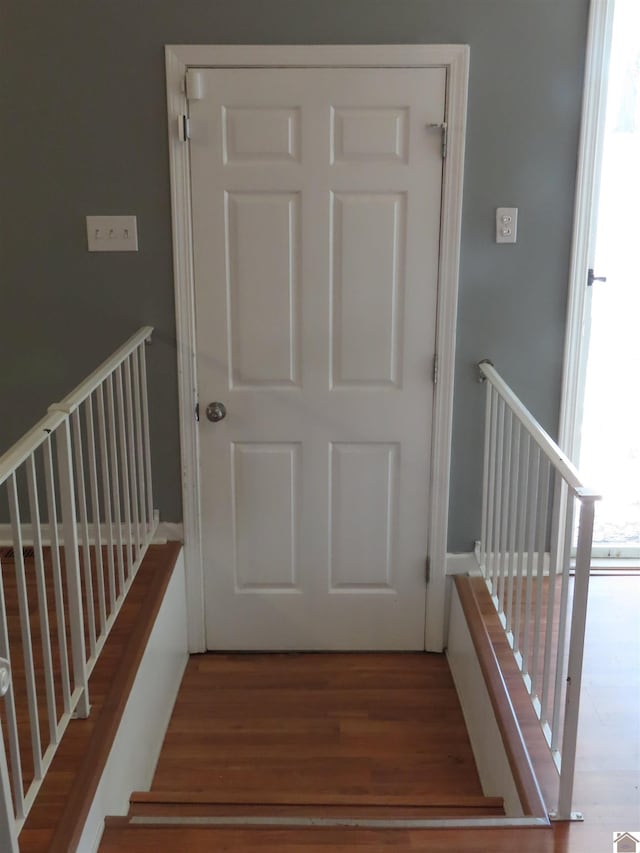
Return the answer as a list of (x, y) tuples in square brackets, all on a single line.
[(263, 245), (316, 215), (265, 498), (366, 287), (362, 532)]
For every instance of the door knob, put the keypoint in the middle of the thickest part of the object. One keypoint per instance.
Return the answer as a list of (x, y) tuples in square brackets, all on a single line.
[(216, 411)]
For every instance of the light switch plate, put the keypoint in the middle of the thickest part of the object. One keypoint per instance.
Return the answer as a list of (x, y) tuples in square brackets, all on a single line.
[(506, 224), (112, 234)]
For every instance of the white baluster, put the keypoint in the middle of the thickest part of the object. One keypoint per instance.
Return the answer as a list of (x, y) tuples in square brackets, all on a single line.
[(92, 465), (124, 469), (8, 833), (43, 605), (10, 711), (84, 531), (115, 481), (106, 497), (72, 566), (147, 444), (25, 626), (132, 469), (485, 477), (54, 539), (576, 653)]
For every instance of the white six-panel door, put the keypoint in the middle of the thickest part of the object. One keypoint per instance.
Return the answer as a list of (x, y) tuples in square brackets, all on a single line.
[(316, 213)]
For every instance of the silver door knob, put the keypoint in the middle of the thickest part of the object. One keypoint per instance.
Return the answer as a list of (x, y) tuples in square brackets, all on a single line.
[(216, 412)]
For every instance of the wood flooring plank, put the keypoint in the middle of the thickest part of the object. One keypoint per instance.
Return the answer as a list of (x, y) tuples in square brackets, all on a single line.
[(347, 724)]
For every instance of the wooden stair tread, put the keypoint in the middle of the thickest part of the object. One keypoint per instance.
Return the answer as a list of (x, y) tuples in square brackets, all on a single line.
[(288, 798), (211, 804), (121, 837)]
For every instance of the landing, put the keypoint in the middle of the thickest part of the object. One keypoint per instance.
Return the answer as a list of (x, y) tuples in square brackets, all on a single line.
[(287, 728)]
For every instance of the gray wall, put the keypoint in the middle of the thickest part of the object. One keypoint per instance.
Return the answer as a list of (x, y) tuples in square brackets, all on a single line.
[(82, 101)]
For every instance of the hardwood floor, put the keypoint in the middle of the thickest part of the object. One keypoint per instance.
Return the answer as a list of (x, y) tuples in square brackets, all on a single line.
[(608, 765), (317, 735), (314, 726)]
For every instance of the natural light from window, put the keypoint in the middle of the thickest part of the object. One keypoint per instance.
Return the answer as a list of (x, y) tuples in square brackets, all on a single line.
[(610, 449)]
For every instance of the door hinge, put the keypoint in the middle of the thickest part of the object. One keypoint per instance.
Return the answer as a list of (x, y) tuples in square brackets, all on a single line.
[(194, 84), (197, 412), (427, 569), (443, 127), (184, 128), (435, 368)]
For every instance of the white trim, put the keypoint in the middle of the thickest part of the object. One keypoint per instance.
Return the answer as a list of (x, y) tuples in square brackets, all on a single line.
[(584, 225), (462, 564), (455, 58), (169, 531), (136, 747), (488, 747), (451, 229), (286, 822), (160, 534), (315, 55), (467, 564), (186, 352), (614, 555)]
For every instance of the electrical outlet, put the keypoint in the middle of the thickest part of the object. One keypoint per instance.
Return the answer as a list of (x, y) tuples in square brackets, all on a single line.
[(506, 224), (112, 233)]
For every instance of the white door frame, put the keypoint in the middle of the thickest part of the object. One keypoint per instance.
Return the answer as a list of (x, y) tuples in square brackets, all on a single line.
[(594, 101), (455, 59)]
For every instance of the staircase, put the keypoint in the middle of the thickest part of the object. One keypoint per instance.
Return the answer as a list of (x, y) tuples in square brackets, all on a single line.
[(308, 752)]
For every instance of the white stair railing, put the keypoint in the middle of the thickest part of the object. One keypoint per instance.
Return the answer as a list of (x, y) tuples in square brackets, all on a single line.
[(530, 493), (78, 495)]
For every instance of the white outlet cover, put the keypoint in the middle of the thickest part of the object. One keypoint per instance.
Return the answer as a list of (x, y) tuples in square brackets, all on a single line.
[(112, 233), (506, 224)]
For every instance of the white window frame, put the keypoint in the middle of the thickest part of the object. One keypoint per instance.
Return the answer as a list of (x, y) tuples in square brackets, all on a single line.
[(455, 59)]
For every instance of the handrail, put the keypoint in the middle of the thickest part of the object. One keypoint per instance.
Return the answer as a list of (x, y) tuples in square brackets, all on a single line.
[(86, 387), (30, 441), (530, 490), (560, 460), (79, 491)]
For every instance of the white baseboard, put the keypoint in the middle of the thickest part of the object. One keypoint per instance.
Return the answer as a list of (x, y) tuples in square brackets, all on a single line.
[(462, 564), (169, 531), (166, 531), (486, 741), (137, 745)]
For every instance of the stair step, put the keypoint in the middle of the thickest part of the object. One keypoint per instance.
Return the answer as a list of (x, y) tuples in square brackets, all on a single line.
[(121, 837), (210, 804)]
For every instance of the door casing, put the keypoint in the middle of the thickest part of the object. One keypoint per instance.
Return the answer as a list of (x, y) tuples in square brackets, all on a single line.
[(455, 59), (584, 225)]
